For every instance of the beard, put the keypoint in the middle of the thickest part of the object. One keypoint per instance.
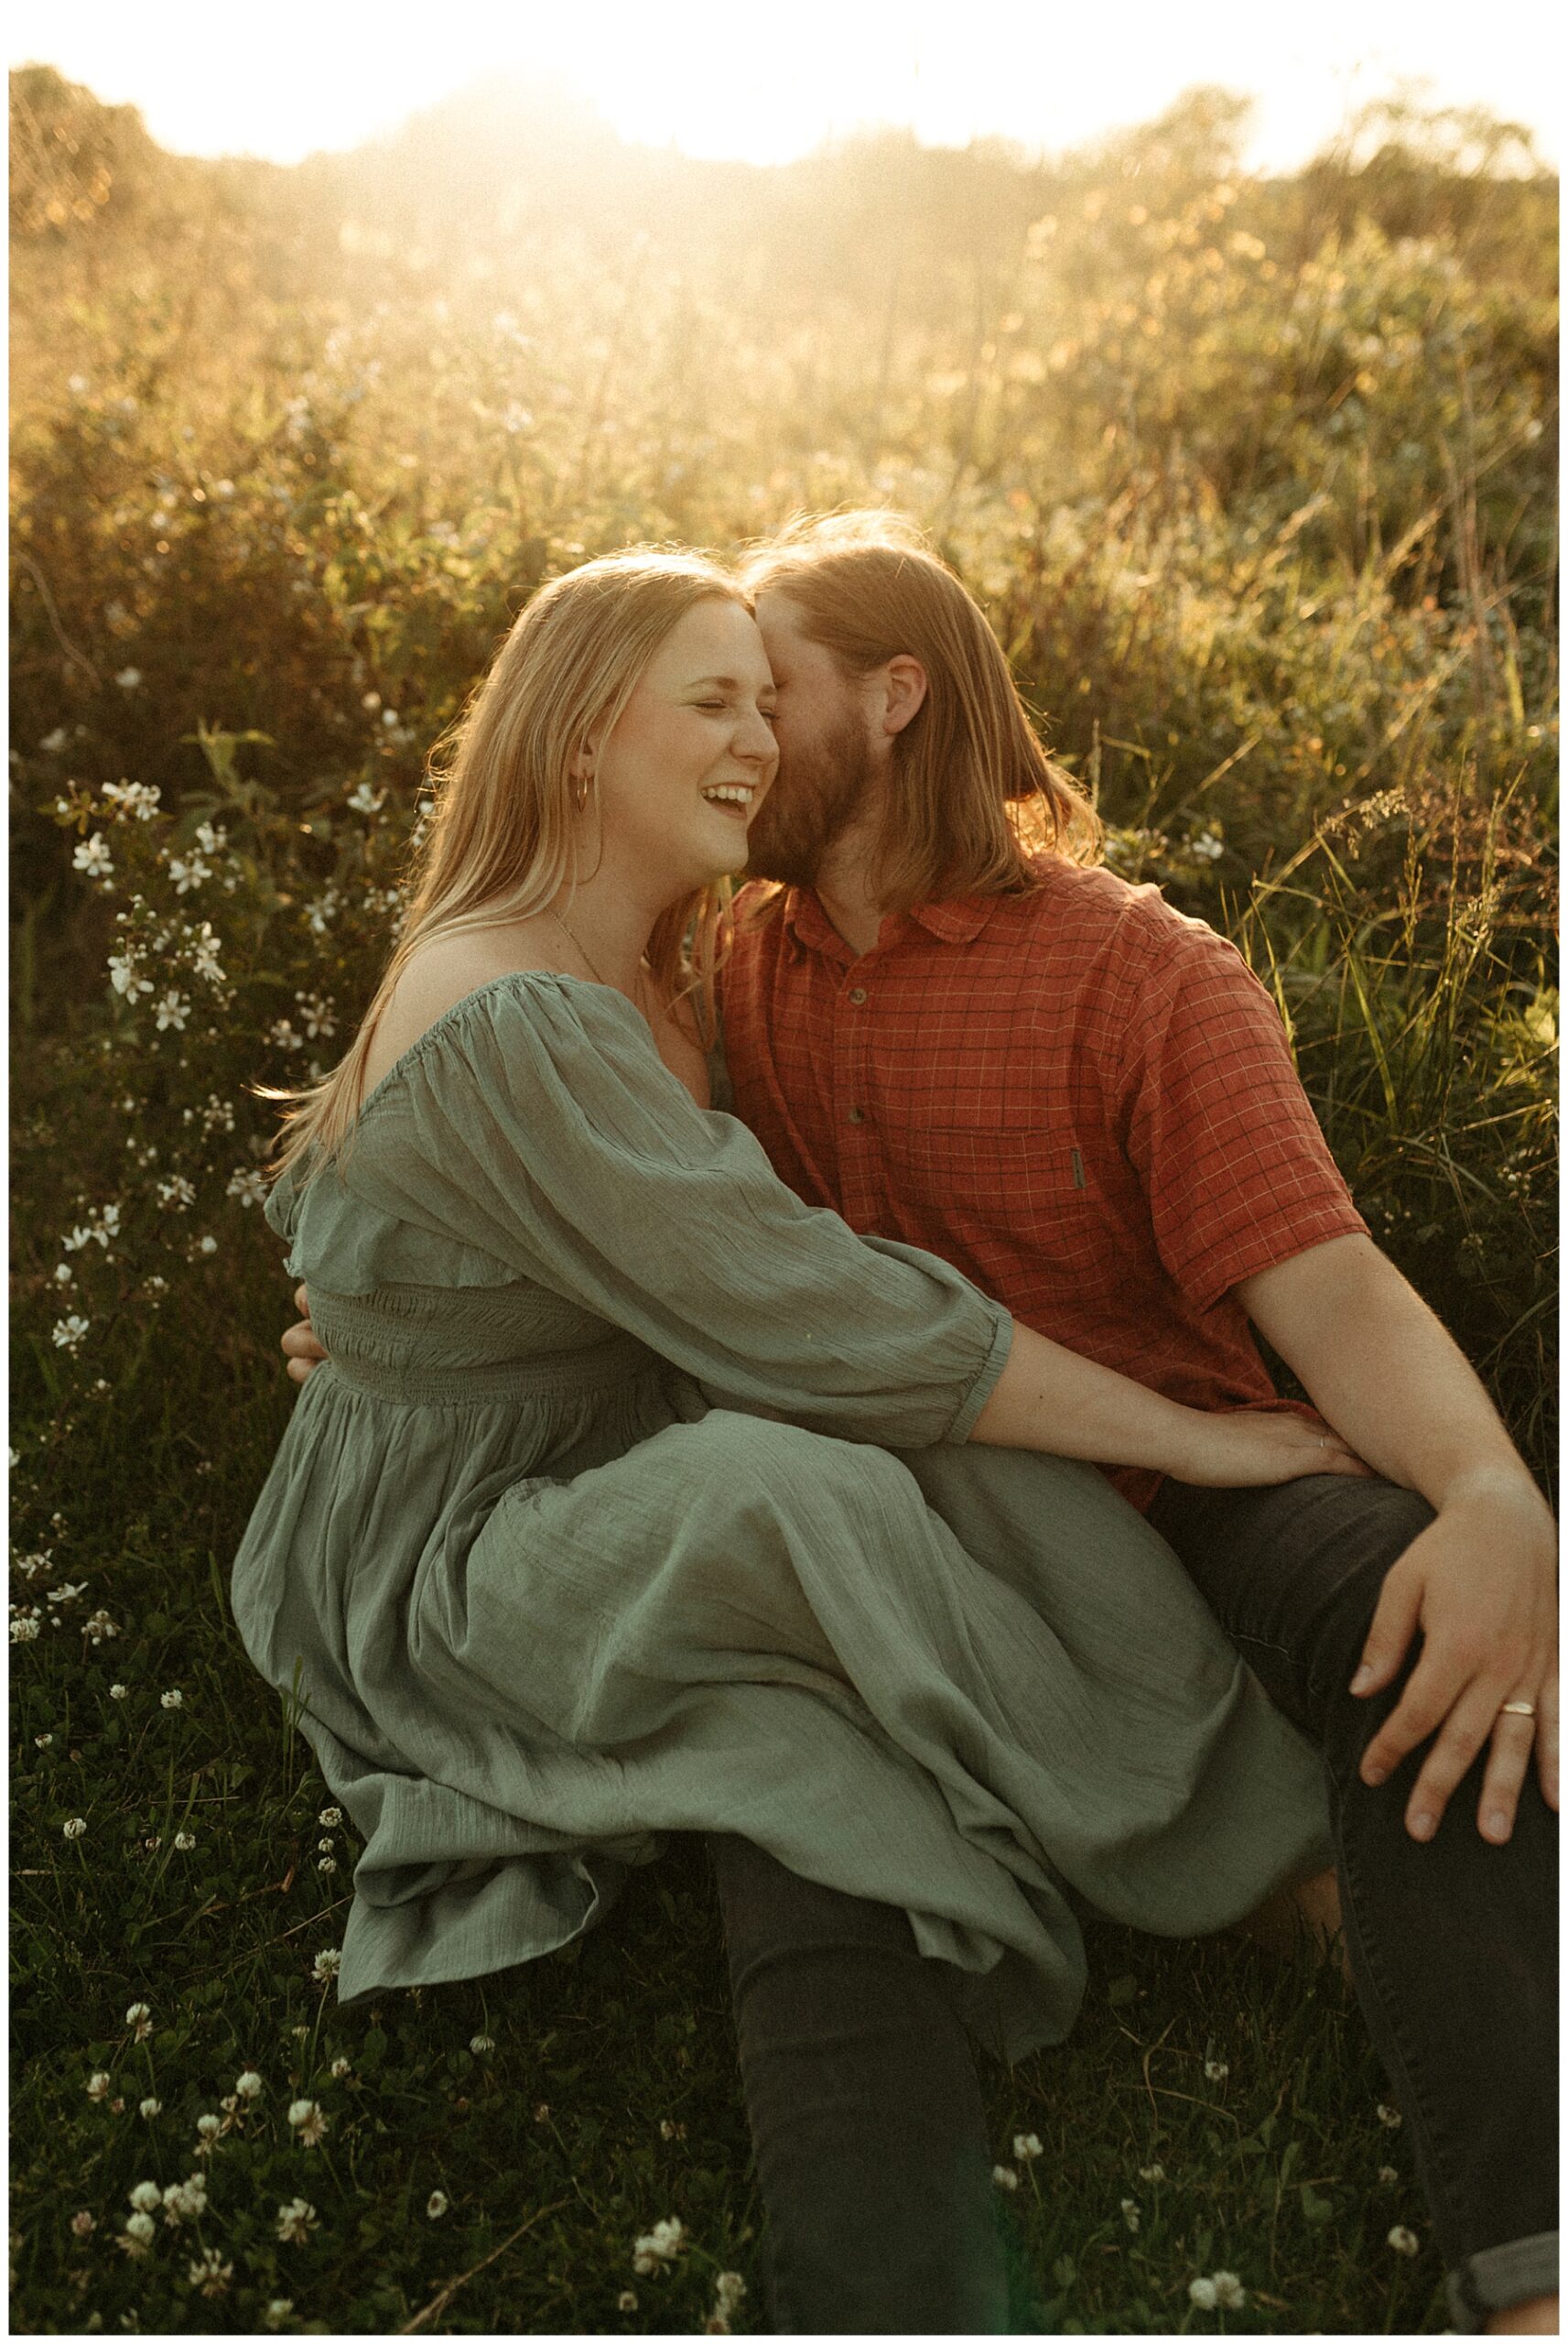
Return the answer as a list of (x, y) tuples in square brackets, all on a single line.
[(814, 801)]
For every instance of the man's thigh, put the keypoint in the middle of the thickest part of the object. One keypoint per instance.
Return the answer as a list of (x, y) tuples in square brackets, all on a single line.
[(1293, 1574)]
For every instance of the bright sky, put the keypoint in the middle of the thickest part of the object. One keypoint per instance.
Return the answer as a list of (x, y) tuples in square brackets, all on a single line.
[(767, 80)]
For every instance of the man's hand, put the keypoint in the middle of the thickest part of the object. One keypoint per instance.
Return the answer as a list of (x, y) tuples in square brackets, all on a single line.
[(305, 1352), (1480, 1584)]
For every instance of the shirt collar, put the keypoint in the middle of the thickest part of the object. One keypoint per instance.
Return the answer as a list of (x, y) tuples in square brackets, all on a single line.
[(958, 921)]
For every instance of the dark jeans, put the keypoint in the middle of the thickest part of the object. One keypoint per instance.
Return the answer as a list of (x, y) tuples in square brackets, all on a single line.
[(1452, 1942), (866, 2116)]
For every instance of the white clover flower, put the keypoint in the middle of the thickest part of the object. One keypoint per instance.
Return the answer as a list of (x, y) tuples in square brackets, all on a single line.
[(128, 678), (172, 1010), (1131, 2213), (277, 2311), (24, 1626), (1403, 2240), (140, 2020), (211, 2274), (247, 1184), (209, 2127), (1005, 2176), (327, 1964), (1216, 2070), (307, 2118), (98, 2084), (82, 2224), (329, 1817), (480, 2043), (139, 2234), (436, 2204), (173, 1699), (340, 2068), (150, 2107), (118, 1692), (1026, 2147), (1389, 2116), (1387, 2175), (296, 2221), (147, 2197), (366, 800), (67, 1333), (1200, 2291), (183, 2200), (93, 857), (42, 1741), (325, 1847), (99, 1627), (626, 2300), (327, 1865), (248, 2086), (1228, 2292), (727, 2290), (75, 1827), (659, 2246), (184, 1842), (1151, 2173)]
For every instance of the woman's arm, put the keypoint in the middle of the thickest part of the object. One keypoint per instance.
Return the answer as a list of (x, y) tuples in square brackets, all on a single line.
[(1052, 1399)]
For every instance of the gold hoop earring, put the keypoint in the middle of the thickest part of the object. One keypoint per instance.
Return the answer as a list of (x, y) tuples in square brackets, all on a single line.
[(580, 791)]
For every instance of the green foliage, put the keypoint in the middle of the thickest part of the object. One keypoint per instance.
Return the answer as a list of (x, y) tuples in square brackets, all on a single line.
[(1254, 479)]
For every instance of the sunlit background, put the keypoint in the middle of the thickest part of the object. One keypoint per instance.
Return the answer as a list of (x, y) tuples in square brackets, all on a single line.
[(763, 83)]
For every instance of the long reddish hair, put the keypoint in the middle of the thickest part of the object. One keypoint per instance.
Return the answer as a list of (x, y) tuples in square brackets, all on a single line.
[(975, 797)]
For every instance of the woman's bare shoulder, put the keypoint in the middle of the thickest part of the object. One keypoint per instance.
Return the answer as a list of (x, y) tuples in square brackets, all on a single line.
[(440, 974)]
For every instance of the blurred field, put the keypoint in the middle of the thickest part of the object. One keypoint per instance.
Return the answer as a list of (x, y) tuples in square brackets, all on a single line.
[(1256, 481)]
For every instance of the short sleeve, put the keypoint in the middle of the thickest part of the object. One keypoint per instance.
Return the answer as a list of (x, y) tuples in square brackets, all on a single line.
[(1238, 1173), (538, 1124)]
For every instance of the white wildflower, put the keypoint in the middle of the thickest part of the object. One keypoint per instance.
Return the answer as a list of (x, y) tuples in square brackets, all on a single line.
[(55, 742), (24, 1626), (1200, 2291), (1005, 2176), (67, 1333), (212, 837), (1228, 2292), (42, 1741), (82, 2224), (316, 1016), (329, 1817), (123, 976), (184, 1842), (211, 2274), (1216, 2070), (176, 1191), (1403, 2240), (1151, 2173), (184, 2200), (1207, 847), (1026, 2147), (659, 2246), (147, 2197), (173, 1010), (296, 2221), (480, 2043), (188, 872), (436, 2204), (128, 678), (248, 2086), (366, 800), (202, 946), (98, 2084), (140, 2020), (327, 1964), (149, 2108), (93, 857), (173, 1699), (340, 2068), (247, 1184), (118, 1692), (137, 798), (727, 2290), (1387, 2175), (277, 2311), (139, 2233), (1131, 2213), (75, 1827), (207, 2128), (1389, 2116), (307, 2118), (100, 1627), (627, 2299)]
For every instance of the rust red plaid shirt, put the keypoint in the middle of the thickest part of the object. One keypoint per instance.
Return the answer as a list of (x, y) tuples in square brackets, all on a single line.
[(1081, 1097)]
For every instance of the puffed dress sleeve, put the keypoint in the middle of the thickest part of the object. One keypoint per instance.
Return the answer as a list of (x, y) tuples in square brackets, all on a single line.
[(536, 1122)]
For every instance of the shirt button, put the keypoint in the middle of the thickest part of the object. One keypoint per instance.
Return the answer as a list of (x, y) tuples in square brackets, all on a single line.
[(858, 995), (856, 1115)]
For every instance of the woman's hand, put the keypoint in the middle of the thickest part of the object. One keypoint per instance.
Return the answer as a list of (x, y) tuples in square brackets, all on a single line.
[(1253, 1449), (305, 1352)]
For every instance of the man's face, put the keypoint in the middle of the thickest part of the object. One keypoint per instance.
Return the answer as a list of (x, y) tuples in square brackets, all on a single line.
[(825, 761)]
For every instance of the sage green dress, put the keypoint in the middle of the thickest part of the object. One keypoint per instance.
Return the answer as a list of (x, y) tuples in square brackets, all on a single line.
[(551, 1573)]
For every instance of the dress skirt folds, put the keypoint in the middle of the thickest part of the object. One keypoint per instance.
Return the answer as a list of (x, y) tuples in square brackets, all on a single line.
[(635, 1499)]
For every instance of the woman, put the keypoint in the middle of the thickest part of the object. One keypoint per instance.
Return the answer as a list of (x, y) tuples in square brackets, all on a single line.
[(539, 1598)]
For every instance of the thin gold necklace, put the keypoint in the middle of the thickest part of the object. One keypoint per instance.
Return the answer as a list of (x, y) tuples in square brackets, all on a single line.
[(572, 938)]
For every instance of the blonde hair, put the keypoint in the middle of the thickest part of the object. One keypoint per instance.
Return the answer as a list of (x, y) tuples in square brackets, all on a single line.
[(499, 843), (975, 796)]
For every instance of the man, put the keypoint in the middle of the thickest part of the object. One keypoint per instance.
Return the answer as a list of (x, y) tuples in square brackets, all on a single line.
[(1085, 1103)]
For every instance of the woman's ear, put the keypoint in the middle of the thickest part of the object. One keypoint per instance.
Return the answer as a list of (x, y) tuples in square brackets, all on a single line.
[(904, 692)]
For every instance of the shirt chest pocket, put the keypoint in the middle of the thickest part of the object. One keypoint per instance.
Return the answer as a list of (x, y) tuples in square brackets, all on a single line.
[(1011, 1181)]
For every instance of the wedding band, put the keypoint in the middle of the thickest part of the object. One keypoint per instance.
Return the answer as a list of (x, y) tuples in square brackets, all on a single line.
[(1516, 1709)]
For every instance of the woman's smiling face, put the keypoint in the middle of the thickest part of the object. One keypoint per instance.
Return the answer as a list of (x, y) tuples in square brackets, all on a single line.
[(692, 753)]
